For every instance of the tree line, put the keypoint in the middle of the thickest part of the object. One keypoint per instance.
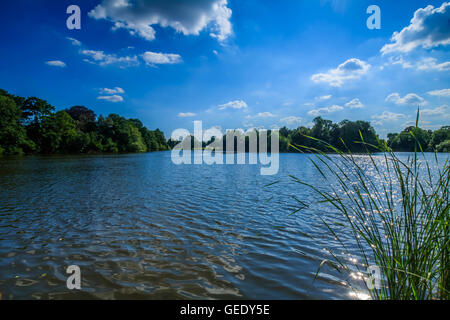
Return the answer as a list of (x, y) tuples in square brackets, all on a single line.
[(353, 136), (348, 136), (31, 126)]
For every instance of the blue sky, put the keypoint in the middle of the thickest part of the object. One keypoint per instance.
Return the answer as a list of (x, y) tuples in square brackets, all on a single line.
[(233, 64)]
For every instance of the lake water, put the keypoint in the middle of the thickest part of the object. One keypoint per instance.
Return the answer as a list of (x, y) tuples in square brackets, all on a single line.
[(141, 227)]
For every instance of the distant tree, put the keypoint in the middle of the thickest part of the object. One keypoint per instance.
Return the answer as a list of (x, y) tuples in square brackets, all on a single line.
[(84, 118), (58, 134), (409, 139), (391, 138), (443, 146), (352, 134), (300, 137), (439, 136), (284, 132), (13, 139), (34, 110)]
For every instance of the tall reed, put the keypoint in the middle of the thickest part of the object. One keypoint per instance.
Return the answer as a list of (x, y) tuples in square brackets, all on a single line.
[(397, 213)]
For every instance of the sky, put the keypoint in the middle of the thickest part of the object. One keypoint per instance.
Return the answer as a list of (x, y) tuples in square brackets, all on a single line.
[(232, 63)]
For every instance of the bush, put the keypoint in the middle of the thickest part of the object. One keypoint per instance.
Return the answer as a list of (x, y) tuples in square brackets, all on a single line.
[(444, 146)]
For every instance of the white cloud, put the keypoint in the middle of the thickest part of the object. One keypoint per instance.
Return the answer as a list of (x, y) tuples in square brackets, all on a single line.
[(114, 98), (116, 90), (440, 93), (441, 111), (103, 59), (349, 70), (265, 115), (292, 120), (74, 41), (186, 115), (355, 104), (56, 63), (410, 99), (321, 111), (427, 64), (323, 98), (153, 58), (388, 116), (429, 28), (432, 64), (238, 104), (185, 16)]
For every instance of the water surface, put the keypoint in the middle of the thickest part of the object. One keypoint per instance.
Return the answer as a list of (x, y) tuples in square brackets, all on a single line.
[(141, 227)]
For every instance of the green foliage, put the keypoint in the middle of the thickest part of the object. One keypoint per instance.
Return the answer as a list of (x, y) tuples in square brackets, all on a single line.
[(398, 214), (443, 146), (406, 141), (58, 133), (345, 134), (13, 138), (440, 136), (30, 126)]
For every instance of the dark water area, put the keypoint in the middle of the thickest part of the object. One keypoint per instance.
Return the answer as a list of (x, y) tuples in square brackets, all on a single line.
[(140, 227)]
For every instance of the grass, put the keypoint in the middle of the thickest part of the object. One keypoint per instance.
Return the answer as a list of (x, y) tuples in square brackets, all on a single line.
[(397, 213)]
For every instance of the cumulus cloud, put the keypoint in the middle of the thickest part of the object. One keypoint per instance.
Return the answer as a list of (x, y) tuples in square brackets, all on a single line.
[(238, 104), (113, 91), (321, 111), (111, 95), (188, 17), (56, 63), (103, 59), (153, 58), (113, 98), (428, 29), (355, 104), (440, 93), (349, 70), (291, 120), (186, 115), (410, 99)]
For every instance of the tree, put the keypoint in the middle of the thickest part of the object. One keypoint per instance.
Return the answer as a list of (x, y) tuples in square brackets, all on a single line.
[(299, 137), (13, 138), (58, 134), (443, 146), (35, 110), (410, 139), (439, 136), (352, 134), (84, 117)]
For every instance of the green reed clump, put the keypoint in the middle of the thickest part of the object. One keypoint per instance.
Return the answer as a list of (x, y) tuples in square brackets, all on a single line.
[(397, 213)]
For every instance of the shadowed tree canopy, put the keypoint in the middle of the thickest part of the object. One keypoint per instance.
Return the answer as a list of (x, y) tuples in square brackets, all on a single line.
[(82, 114), (30, 125)]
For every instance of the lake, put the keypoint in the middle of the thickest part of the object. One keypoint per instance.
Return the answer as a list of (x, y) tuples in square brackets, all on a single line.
[(140, 227)]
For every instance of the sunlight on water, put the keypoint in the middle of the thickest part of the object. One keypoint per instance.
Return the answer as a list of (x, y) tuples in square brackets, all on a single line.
[(140, 227)]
